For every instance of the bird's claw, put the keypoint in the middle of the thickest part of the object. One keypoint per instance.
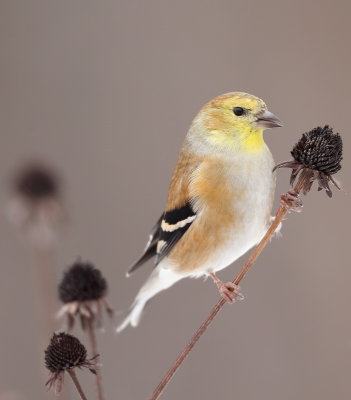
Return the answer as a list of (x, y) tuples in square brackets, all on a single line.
[(291, 201), (230, 292)]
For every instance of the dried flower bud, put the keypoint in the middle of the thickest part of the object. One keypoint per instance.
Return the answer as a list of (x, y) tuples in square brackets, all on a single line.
[(319, 149), (36, 182), (65, 352), (83, 290), (36, 207), (317, 155), (82, 282)]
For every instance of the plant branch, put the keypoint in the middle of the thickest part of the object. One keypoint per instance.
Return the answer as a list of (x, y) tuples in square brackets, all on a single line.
[(304, 176)]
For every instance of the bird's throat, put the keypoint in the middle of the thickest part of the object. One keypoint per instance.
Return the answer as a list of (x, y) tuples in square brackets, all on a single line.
[(241, 141), (253, 142)]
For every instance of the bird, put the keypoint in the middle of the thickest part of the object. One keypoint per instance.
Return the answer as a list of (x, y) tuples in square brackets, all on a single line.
[(219, 200)]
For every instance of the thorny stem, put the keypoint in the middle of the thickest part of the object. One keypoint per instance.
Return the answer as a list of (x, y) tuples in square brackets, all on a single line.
[(304, 176), (93, 344), (76, 383)]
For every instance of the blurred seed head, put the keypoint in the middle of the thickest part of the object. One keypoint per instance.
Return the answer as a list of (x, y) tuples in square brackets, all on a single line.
[(83, 291), (65, 352), (82, 282), (318, 156), (36, 183), (36, 206)]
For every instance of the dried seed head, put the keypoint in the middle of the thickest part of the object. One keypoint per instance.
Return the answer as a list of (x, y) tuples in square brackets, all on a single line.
[(83, 290), (36, 206), (82, 282), (64, 351), (319, 149), (36, 182), (317, 155)]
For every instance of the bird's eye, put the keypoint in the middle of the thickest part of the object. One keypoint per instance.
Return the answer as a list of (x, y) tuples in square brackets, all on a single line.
[(238, 111)]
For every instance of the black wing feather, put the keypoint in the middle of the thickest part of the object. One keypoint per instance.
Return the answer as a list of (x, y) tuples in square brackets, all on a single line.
[(170, 227), (150, 249), (173, 218)]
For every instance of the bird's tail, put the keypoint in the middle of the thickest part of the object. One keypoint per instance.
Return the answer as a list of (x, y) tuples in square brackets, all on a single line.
[(159, 280)]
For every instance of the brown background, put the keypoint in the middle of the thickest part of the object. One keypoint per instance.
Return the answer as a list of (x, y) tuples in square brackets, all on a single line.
[(104, 91)]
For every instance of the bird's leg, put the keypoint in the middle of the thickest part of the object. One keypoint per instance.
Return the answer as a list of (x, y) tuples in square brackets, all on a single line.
[(291, 201), (229, 291)]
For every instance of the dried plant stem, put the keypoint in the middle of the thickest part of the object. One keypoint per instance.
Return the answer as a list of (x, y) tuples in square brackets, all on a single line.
[(44, 265), (44, 260), (94, 351), (215, 310), (76, 383)]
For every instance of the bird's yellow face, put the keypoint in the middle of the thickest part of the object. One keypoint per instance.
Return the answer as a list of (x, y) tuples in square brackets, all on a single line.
[(236, 121)]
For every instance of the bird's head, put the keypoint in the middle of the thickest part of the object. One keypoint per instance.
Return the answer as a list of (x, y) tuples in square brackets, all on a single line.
[(235, 121)]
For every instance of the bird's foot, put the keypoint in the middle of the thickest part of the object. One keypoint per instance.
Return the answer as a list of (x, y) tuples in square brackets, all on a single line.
[(228, 291), (291, 201)]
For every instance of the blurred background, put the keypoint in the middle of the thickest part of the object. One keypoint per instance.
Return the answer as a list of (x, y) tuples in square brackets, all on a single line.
[(104, 92)]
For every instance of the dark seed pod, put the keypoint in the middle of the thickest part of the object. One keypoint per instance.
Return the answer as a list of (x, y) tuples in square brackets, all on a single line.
[(320, 150), (82, 282), (317, 155), (36, 182), (64, 351)]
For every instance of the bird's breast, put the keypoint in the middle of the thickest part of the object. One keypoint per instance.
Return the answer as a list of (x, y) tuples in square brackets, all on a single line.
[(233, 201), (235, 188)]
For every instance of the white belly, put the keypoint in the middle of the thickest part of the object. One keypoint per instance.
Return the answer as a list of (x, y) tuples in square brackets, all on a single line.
[(254, 208)]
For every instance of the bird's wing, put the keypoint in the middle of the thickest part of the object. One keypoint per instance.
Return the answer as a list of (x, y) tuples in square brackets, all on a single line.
[(173, 226), (170, 227), (150, 248), (177, 218), (180, 213)]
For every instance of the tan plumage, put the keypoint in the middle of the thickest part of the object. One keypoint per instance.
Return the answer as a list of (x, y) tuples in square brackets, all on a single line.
[(220, 197)]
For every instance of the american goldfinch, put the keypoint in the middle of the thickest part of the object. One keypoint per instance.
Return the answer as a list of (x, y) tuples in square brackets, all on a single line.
[(219, 200)]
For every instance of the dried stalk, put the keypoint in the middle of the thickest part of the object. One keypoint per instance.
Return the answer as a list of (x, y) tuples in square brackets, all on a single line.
[(44, 265), (94, 351), (76, 383), (304, 177), (45, 274)]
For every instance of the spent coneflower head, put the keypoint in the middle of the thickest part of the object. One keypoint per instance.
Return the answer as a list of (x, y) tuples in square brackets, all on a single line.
[(83, 291), (36, 206), (82, 282), (317, 155), (65, 352), (36, 182)]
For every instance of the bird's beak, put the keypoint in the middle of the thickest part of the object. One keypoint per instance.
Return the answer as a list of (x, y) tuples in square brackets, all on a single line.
[(266, 119)]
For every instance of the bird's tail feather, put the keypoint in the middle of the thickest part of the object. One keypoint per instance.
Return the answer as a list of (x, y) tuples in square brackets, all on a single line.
[(134, 316), (159, 280)]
